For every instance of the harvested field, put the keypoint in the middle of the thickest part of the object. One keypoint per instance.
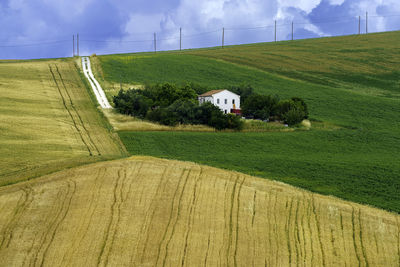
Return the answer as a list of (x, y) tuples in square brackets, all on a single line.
[(48, 121), (150, 212)]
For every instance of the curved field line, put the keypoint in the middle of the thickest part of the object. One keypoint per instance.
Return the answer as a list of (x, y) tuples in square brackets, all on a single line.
[(49, 236), (69, 112), (318, 230), (364, 253), (177, 215), (190, 217), (353, 223), (77, 113), (170, 215), (7, 233), (231, 219), (237, 222), (85, 222), (149, 217), (114, 220)]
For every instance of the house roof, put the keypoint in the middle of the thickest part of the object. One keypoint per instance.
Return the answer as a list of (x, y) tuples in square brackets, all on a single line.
[(212, 92)]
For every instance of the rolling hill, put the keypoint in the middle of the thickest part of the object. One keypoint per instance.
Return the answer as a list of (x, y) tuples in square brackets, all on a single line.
[(48, 121), (151, 212), (351, 82)]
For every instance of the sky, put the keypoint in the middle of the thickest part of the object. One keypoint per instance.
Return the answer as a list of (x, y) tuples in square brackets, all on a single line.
[(45, 28)]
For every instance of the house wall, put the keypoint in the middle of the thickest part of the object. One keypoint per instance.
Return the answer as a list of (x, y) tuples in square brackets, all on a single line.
[(203, 99), (229, 97)]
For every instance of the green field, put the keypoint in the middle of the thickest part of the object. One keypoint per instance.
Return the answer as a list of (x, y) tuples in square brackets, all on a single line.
[(348, 81), (48, 120)]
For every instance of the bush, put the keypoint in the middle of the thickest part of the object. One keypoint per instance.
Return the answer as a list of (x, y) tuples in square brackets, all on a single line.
[(163, 116), (132, 103), (243, 90), (302, 103), (294, 116), (234, 122), (185, 111), (259, 106)]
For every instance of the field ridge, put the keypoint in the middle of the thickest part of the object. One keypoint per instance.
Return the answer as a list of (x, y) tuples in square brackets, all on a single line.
[(182, 213)]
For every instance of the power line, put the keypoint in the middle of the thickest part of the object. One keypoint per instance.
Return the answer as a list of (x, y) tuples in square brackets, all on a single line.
[(36, 44)]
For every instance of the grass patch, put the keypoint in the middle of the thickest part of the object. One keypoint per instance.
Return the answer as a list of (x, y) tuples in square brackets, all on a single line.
[(329, 162), (353, 99)]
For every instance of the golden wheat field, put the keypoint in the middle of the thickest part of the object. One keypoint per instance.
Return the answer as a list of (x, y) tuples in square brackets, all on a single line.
[(144, 211), (48, 121)]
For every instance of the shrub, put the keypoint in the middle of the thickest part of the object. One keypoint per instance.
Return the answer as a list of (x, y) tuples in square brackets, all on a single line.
[(132, 103), (294, 116), (163, 116), (259, 106), (243, 90), (234, 122), (302, 103)]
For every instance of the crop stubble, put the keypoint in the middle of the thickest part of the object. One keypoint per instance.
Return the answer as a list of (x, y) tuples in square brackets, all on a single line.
[(48, 121), (146, 211)]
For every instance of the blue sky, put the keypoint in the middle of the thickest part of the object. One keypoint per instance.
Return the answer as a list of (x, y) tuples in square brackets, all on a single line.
[(44, 28)]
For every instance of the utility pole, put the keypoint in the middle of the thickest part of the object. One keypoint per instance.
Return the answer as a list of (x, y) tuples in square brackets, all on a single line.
[(155, 43), (77, 44), (223, 37), (73, 45), (366, 22), (275, 30), (359, 25), (180, 38), (292, 30)]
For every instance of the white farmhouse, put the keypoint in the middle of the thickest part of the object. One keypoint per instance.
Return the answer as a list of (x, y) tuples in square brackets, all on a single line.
[(227, 101)]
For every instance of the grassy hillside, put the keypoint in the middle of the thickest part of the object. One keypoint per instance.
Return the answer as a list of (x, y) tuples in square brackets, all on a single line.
[(349, 81), (152, 212), (48, 121)]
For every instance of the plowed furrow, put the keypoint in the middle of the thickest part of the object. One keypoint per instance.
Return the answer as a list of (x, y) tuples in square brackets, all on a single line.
[(25, 200), (178, 214), (75, 111), (52, 230), (63, 98)]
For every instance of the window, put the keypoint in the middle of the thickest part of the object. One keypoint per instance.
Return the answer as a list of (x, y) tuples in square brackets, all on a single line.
[(226, 111), (233, 101), (217, 100), (226, 101)]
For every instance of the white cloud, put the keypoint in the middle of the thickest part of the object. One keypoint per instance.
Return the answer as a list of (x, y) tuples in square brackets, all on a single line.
[(336, 2)]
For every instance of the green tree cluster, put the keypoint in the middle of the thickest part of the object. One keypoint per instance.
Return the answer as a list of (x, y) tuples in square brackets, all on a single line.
[(169, 104), (266, 107)]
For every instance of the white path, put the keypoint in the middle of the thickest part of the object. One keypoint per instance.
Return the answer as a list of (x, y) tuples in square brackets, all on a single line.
[(98, 91)]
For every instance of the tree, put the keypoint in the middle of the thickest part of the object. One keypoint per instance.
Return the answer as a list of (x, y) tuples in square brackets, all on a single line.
[(302, 103), (294, 116), (163, 116), (291, 111), (184, 110), (243, 90), (259, 106), (132, 102)]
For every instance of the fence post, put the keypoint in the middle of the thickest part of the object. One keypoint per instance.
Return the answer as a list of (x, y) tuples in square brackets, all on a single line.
[(155, 43), (73, 45), (77, 44), (223, 37), (292, 30), (366, 22), (180, 39), (359, 25), (275, 30)]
